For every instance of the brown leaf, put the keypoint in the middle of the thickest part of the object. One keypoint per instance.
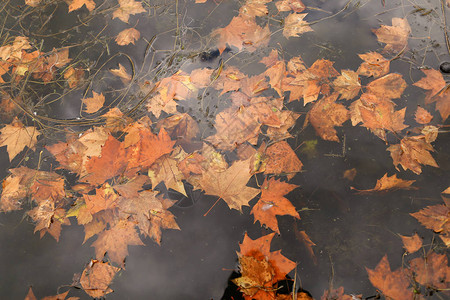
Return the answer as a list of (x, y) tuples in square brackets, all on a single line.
[(121, 73), (16, 137), (325, 115), (411, 243), (287, 5), (127, 8), (115, 241), (411, 153), (396, 36), (127, 36), (393, 284), (94, 103), (294, 25), (348, 84), (253, 8), (374, 65), (165, 169), (387, 183), (390, 86), (230, 185), (432, 271), (273, 203), (32, 3), (280, 159), (77, 4), (422, 116), (97, 277)]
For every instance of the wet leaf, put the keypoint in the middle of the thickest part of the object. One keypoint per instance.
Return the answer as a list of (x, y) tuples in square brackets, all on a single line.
[(287, 5), (432, 271), (411, 243), (97, 277), (396, 36), (374, 65), (294, 25), (393, 284), (121, 73), (347, 84), (273, 203), (127, 8), (422, 116), (77, 4), (127, 36), (16, 137), (94, 103), (389, 183)]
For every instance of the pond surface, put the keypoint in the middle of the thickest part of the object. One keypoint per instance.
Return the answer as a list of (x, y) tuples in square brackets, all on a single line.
[(351, 231)]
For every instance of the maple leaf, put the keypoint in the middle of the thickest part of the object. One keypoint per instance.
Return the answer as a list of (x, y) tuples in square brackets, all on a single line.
[(273, 202), (150, 213), (97, 277), (253, 8), (287, 5), (161, 102), (411, 153), (77, 4), (94, 103), (73, 76), (432, 271), (104, 198), (16, 137), (347, 84), (393, 284), (338, 294), (62, 296), (396, 36), (143, 147), (115, 241), (181, 127), (325, 115), (121, 73), (165, 169), (438, 91), (436, 218), (374, 65), (127, 8), (111, 162), (294, 25), (49, 218), (390, 86), (234, 126), (422, 116), (242, 32), (260, 268), (411, 243), (32, 3), (377, 114), (230, 185), (389, 183), (127, 36), (280, 159), (276, 72)]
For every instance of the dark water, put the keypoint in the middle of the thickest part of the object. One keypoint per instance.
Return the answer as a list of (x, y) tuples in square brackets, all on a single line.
[(351, 231)]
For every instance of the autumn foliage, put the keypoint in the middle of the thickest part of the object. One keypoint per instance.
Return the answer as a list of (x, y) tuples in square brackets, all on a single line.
[(106, 169)]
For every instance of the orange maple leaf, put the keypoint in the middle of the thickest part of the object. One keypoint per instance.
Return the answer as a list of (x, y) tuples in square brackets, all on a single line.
[(94, 103), (393, 284), (411, 153), (127, 36), (432, 271), (295, 25), (287, 5), (325, 115), (16, 137), (230, 185), (77, 4), (273, 203), (389, 86), (260, 268), (422, 116), (115, 241), (374, 65), (411, 243), (127, 8), (96, 278), (396, 36), (389, 183), (280, 159)]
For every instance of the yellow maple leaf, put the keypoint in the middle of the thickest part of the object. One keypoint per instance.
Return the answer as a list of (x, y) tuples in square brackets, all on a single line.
[(16, 136)]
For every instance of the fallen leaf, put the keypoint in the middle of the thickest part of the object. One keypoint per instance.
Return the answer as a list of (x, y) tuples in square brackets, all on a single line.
[(325, 115), (165, 169), (32, 3), (396, 36), (253, 8), (350, 174), (127, 8), (77, 4), (338, 294), (115, 241), (273, 203), (294, 25), (280, 159), (73, 76), (230, 185), (16, 137), (287, 5), (393, 284), (411, 243), (121, 73), (347, 84), (97, 277), (389, 86), (94, 103), (432, 271), (127, 36), (422, 116), (374, 65), (411, 153), (389, 183)]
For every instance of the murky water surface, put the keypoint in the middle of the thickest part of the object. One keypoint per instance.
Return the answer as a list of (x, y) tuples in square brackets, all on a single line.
[(351, 231)]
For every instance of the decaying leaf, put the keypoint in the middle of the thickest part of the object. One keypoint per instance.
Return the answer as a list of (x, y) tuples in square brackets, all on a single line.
[(422, 116), (127, 36), (97, 277), (16, 137), (273, 203), (230, 185), (411, 243), (126, 9), (393, 284), (295, 25), (77, 4), (374, 65), (94, 103), (432, 271), (396, 36), (121, 73), (389, 183)]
